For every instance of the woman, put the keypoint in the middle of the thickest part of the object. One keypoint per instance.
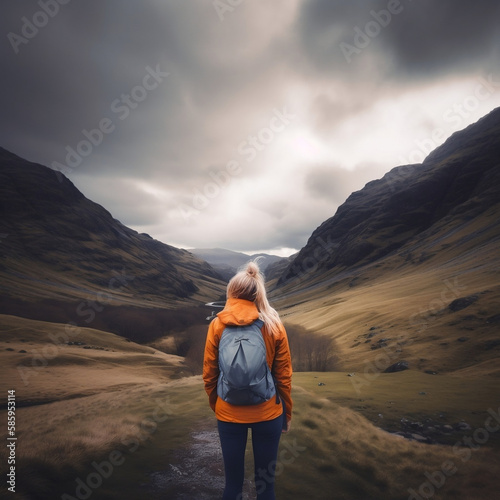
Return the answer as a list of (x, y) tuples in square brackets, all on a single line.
[(247, 302)]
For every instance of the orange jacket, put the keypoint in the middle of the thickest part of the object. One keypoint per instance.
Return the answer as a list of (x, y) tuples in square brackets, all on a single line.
[(244, 312)]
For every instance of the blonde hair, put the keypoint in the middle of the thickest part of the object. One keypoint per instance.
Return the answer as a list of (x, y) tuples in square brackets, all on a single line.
[(248, 284)]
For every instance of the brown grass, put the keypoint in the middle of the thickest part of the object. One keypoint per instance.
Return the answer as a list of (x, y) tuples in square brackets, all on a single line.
[(120, 397), (408, 306), (330, 448)]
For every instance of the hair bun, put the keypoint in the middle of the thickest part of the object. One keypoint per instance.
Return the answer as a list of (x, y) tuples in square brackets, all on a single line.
[(252, 269)]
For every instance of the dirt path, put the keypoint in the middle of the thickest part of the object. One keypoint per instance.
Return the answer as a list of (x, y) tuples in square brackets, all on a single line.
[(196, 472)]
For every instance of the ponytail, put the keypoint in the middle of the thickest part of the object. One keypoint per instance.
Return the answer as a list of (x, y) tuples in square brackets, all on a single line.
[(248, 284)]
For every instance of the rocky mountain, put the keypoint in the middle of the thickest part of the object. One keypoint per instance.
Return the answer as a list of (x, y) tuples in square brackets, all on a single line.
[(406, 272), (457, 182), (277, 268), (56, 244), (227, 262)]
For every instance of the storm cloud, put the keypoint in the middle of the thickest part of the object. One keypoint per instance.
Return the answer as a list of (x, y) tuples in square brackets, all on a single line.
[(239, 124)]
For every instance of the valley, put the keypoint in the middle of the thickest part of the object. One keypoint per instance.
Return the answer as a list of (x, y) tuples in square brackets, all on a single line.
[(392, 309)]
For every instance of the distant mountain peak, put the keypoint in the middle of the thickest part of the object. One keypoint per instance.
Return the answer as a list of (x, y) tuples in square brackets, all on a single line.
[(227, 262)]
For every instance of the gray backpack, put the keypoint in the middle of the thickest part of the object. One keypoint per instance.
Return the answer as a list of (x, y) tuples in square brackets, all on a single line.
[(244, 378)]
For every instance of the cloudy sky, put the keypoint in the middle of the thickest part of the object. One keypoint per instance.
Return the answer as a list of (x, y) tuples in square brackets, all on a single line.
[(240, 124)]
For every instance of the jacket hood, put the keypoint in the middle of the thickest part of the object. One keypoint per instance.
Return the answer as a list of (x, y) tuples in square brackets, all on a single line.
[(238, 312)]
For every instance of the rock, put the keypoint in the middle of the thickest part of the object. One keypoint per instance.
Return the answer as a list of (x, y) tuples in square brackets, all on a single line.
[(351, 374), (419, 438), (431, 372), (416, 425), (494, 319), (462, 303), (321, 383), (422, 393), (463, 339), (397, 367), (491, 344), (463, 426), (447, 428), (176, 470), (380, 343)]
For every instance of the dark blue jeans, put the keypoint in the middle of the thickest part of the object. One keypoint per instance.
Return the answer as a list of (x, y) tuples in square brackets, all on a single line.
[(265, 440)]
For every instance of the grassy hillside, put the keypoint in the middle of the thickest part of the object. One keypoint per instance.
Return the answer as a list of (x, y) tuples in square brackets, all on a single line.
[(118, 419), (401, 308), (51, 361), (79, 392)]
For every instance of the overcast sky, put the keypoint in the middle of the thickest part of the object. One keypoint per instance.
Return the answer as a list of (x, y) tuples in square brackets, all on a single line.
[(240, 124)]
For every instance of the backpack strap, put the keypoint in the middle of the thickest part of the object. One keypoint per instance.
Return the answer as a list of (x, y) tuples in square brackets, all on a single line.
[(260, 324), (278, 400)]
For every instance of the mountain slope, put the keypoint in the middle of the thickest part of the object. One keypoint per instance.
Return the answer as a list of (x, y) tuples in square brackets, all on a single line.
[(460, 179), (408, 268), (57, 244)]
